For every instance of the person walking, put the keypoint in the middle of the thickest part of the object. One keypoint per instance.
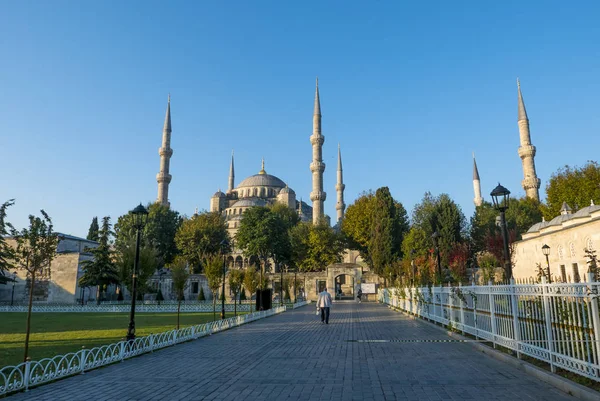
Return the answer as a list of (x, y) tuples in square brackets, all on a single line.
[(359, 295), (323, 304)]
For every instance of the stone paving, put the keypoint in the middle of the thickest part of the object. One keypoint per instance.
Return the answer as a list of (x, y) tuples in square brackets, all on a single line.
[(293, 356)]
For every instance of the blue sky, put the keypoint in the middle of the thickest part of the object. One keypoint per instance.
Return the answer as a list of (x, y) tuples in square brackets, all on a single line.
[(409, 89)]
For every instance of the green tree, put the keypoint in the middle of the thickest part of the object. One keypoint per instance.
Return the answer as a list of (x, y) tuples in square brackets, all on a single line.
[(159, 232), (179, 275), (357, 224), (94, 231), (251, 281), (6, 251), (236, 277), (213, 270), (575, 185), (325, 246), (289, 216), (200, 237), (35, 248), (148, 264), (299, 235), (101, 271)]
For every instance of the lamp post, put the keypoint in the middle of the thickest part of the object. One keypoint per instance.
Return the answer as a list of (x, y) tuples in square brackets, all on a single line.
[(500, 197), (12, 297), (139, 216), (224, 246), (412, 266), (546, 252), (435, 236), (295, 283), (281, 286)]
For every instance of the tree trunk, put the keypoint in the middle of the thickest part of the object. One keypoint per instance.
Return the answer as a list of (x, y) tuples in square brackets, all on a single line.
[(234, 305), (98, 295), (178, 308), (215, 305), (28, 327)]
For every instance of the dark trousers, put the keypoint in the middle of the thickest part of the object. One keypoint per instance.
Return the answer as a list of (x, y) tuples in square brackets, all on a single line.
[(325, 315)]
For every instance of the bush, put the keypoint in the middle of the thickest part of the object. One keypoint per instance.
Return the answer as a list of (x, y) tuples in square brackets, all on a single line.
[(201, 296)]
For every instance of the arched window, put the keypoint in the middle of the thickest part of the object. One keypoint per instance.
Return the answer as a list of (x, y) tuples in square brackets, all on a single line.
[(560, 252), (255, 191), (572, 249), (589, 244)]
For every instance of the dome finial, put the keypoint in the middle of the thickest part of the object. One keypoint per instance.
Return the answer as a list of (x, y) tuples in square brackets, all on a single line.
[(262, 169)]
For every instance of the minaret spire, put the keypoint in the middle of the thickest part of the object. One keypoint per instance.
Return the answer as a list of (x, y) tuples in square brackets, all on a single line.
[(478, 200), (340, 206), (531, 183), (317, 167), (163, 178), (231, 175)]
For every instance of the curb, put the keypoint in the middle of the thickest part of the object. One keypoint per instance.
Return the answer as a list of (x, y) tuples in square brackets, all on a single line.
[(570, 387)]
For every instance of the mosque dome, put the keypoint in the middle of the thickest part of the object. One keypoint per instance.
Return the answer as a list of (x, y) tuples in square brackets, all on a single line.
[(262, 180), (586, 211), (287, 190), (249, 202), (218, 194)]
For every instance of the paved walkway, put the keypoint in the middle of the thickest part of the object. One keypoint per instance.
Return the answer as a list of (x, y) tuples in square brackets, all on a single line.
[(294, 356)]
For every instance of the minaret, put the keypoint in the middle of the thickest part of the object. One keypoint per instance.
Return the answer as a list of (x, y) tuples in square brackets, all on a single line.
[(317, 167), (478, 200), (163, 177), (340, 206), (231, 175), (531, 183)]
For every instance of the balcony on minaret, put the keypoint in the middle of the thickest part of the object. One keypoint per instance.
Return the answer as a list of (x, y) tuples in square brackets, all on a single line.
[(527, 151), (163, 177), (165, 152), (318, 196), (317, 139), (317, 166)]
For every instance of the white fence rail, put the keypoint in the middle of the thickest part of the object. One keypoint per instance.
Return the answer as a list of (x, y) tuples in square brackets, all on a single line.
[(125, 308), (34, 373), (556, 323), (300, 304)]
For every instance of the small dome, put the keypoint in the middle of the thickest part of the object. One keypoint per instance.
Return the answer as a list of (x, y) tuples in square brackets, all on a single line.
[(586, 211), (249, 202), (558, 220), (537, 227), (287, 190), (218, 194)]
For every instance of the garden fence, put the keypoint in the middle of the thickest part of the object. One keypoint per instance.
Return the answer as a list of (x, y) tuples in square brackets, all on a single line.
[(33, 373), (557, 323), (125, 308)]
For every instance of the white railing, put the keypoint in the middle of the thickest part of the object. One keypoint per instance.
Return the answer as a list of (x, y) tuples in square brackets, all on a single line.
[(556, 323), (33, 373), (300, 304), (125, 308)]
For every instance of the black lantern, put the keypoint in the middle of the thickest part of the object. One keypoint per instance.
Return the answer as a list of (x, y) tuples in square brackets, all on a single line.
[(546, 252), (140, 217), (500, 197)]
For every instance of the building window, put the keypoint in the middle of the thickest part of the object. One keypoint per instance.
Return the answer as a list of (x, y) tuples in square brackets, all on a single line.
[(563, 273), (194, 287), (560, 252), (576, 277), (589, 245), (572, 249), (321, 285)]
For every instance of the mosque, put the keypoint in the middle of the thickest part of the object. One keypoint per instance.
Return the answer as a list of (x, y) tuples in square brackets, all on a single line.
[(262, 189)]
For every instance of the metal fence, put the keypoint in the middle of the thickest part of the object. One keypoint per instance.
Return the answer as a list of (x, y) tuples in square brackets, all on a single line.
[(33, 373), (556, 323), (125, 308)]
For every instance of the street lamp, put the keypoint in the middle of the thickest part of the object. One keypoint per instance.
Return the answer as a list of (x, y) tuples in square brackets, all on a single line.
[(224, 247), (12, 297), (295, 283), (140, 217), (546, 252), (435, 236), (500, 197), (281, 285)]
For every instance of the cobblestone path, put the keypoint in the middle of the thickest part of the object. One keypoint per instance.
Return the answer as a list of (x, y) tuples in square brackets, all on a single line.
[(293, 356)]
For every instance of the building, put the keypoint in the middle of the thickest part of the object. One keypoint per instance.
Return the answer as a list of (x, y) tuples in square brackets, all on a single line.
[(61, 283), (567, 235)]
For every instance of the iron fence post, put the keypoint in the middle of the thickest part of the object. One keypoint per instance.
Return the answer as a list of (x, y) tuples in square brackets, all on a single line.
[(515, 314), (548, 319), (492, 312)]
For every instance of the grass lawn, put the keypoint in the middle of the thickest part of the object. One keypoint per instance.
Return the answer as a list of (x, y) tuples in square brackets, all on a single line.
[(60, 333)]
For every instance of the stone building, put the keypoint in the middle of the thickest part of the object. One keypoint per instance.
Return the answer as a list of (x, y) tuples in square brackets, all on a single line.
[(567, 235), (60, 283)]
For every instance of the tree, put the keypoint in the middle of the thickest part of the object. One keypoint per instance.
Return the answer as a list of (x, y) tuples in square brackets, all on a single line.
[(200, 237), (289, 216), (179, 275), (213, 270), (299, 245), (375, 225), (592, 261), (35, 248), (263, 233), (159, 232), (575, 185), (236, 277), (147, 266), (94, 231), (6, 251), (251, 281), (325, 246), (101, 271)]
